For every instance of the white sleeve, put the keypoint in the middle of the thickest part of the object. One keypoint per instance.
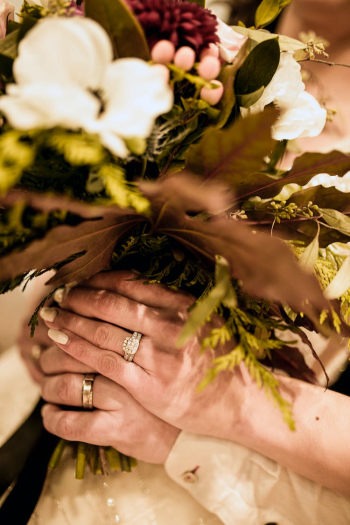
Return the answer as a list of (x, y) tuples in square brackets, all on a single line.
[(242, 487)]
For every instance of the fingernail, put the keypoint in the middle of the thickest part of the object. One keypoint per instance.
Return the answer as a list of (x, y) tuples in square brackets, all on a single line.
[(48, 314), (58, 337), (59, 295)]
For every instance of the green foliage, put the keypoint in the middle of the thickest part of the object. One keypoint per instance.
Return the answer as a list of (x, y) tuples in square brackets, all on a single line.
[(123, 28), (17, 153), (263, 378), (286, 43), (222, 293), (257, 70), (121, 192), (227, 77), (34, 11), (337, 220), (8, 52), (268, 10), (78, 148), (310, 254)]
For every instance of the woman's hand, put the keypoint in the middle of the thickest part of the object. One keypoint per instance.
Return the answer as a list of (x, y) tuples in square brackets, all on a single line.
[(118, 419), (33, 349), (162, 378)]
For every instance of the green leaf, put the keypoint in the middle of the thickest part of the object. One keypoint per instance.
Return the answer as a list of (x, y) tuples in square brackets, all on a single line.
[(116, 18), (286, 43), (336, 220), (235, 153), (16, 155), (310, 255), (12, 26), (341, 282), (258, 68), (284, 3), (221, 293), (248, 100), (267, 11), (227, 77), (8, 52)]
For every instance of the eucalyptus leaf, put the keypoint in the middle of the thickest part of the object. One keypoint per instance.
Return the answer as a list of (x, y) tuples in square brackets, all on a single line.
[(309, 256), (260, 35), (258, 68), (267, 11), (341, 282), (336, 220), (116, 18), (221, 293)]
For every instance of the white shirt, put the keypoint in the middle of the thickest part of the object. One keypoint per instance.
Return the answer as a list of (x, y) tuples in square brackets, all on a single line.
[(242, 487)]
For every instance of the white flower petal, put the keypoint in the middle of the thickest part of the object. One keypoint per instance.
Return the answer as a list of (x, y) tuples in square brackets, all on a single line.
[(230, 41), (135, 95), (115, 144), (306, 119), (64, 51), (46, 106), (285, 86)]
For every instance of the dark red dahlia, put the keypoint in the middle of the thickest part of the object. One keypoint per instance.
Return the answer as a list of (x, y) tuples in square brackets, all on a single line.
[(183, 23)]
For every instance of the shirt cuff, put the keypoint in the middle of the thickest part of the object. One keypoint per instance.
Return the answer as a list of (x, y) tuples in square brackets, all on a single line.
[(215, 473)]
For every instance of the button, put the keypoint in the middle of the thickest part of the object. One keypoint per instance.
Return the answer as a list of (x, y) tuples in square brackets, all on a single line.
[(189, 477)]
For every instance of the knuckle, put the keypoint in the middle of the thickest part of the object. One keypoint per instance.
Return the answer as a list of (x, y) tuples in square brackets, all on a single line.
[(102, 336), (104, 301), (66, 427), (108, 365), (80, 350)]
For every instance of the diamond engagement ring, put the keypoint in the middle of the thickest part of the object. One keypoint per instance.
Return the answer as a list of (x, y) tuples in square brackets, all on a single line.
[(86, 393), (131, 345)]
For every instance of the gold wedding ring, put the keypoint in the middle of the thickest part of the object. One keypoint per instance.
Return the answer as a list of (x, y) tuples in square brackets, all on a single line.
[(86, 393)]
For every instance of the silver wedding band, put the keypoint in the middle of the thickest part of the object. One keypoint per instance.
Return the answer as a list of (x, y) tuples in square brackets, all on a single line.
[(131, 345), (86, 393)]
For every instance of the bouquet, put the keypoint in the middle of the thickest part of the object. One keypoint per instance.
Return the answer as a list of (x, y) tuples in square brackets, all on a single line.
[(149, 135)]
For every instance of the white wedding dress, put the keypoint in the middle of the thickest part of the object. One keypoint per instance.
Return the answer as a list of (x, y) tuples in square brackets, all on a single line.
[(146, 496)]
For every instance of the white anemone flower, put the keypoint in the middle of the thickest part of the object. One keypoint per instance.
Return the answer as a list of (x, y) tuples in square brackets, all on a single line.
[(300, 113), (65, 76)]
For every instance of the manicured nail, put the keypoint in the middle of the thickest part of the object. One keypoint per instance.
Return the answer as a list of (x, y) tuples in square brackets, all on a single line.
[(48, 314), (59, 295), (58, 337)]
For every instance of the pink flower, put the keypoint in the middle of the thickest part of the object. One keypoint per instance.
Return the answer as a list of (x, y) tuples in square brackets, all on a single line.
[(79, 10), (7, 11), (230, 41)]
